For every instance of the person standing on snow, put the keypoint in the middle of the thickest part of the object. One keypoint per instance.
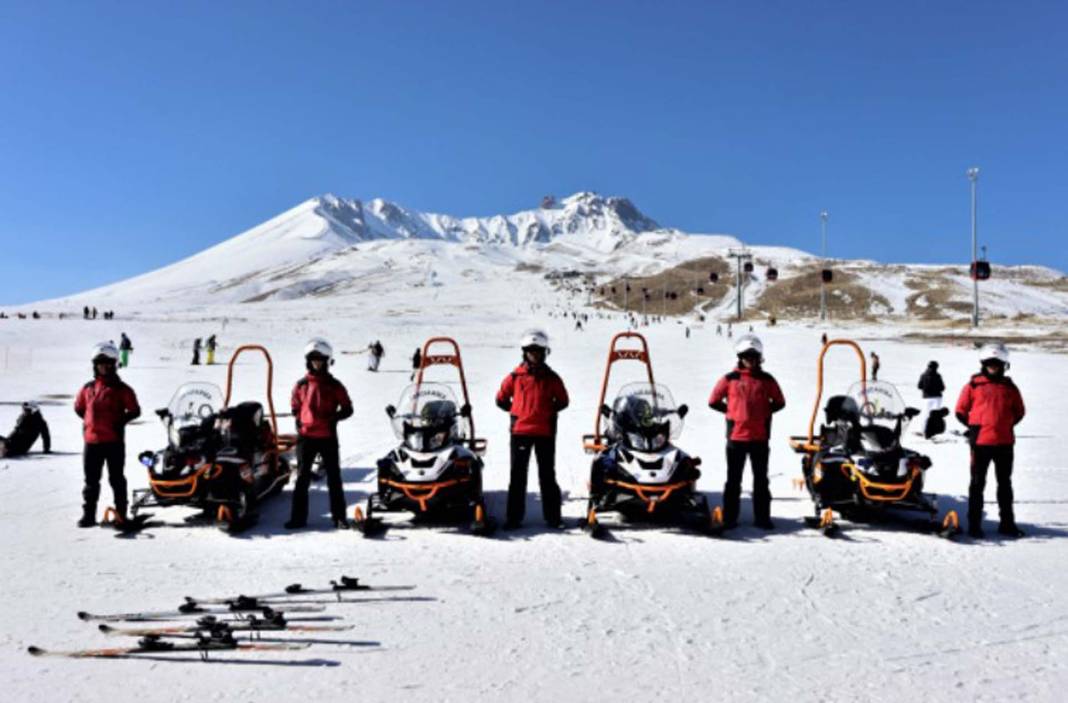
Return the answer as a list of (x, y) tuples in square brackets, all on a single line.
[(749, 396), (990, 405), (932, 387), (874, 366), (28, 427), (106, 405), (210, 346), (417, 361), (125, 347), (196, 352), (319, 402), (533, 394)]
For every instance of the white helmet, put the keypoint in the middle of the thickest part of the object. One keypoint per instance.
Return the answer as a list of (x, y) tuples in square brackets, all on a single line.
[(318, 345), (748, 343), (994, 350), (106, 350), (534, 338)]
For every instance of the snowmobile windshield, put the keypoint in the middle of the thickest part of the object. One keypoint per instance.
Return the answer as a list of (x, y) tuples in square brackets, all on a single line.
[(645, 417), (191, 405), (427, 417), (882, 415)]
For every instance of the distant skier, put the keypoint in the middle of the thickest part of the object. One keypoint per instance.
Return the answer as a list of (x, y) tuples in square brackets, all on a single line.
[(377, 351), (94, 312), (932, 387), (874, 366), (106, 405), (749, 396), (125, 347), (210, 347), (196, 352), (533, 394), (319, 401), (990, 405), (29, 426), (823, 339), (417, 361), (85, 312), (719, 330)]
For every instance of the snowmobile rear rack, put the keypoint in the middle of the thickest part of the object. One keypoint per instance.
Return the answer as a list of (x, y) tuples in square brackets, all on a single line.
[(270, 380), (477, 445), (819, 380), (592, 442)]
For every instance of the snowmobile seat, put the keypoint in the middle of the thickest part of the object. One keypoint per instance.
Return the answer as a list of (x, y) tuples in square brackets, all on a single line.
[(243, 427), (841, 408)]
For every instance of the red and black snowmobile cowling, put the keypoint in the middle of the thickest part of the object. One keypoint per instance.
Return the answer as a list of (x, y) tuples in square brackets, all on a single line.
[(220, 459), (638, 471), (436, 471), (855, 465)]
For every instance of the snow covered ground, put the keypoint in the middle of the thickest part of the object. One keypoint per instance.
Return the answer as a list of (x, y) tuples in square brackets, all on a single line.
[(879, 614)]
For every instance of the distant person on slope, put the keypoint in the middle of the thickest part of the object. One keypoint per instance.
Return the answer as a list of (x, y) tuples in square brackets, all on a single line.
[(210, 346), (29, 426), (125, 347), (932, 387), (196, 352), (319, 401), (874, 366), (417, 361), (749, 396), (990, 405), (106, 405), (533, 394)]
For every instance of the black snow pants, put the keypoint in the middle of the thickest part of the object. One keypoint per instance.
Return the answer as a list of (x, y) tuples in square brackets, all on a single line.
[(1002, 457), (545, 451), (732, 491), (93, 459), (307, 449)]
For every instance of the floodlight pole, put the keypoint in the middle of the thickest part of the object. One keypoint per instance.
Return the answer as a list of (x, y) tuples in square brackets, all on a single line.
[(823, 255), (973, 176)]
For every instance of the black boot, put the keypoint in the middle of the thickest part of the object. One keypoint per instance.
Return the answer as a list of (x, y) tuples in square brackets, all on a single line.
[(976, 531), (1009, 529), (88, 518), (295, 524)]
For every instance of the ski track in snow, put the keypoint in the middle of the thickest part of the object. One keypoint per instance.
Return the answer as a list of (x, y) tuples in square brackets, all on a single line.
[(656, 614)]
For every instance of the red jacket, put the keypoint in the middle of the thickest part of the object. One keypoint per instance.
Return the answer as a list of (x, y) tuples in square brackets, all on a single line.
[(106, 404), (991, 408), (533, 397), (318, 404), (749, 398)]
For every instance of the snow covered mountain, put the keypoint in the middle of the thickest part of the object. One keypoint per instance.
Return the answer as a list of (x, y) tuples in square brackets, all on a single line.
[(334, 247)]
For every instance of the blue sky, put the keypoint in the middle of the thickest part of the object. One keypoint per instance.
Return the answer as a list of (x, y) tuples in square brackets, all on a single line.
[(134, 134)]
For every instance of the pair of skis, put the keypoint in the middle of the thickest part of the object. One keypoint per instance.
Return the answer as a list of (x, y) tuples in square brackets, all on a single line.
[(154, 644)]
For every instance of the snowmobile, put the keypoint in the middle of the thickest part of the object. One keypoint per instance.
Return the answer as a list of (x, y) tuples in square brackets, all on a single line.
[(436, 471), (638, 471), (855, 465), (221, 459)]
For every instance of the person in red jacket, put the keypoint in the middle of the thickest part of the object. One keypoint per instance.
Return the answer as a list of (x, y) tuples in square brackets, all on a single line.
[(533, 394), (991, 406), (319, 402), (106, 405), (749, 396)]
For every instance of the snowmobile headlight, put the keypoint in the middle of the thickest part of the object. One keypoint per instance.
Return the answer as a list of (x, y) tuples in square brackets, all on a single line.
[(437, 441), (636, 441), (657, 442)]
